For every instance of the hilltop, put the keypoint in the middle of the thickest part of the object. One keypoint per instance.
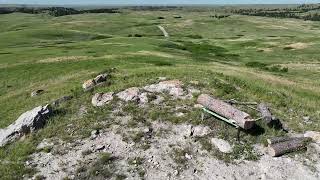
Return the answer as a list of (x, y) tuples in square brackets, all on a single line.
[(144, 120)]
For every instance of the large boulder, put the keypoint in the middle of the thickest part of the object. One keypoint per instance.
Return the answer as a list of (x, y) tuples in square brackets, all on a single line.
[(131, 94), (101, 99), (26, 123)]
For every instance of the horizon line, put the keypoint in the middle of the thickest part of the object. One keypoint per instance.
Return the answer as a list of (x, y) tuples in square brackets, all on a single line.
[(158, 4)]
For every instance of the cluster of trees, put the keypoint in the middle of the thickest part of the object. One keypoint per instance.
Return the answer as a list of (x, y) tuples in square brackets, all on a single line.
[(305, 12), (54, 11), (153, 8), (219, 16)]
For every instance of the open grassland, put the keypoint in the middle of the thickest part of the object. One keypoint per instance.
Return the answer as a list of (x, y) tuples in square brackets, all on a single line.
[(245, 58)]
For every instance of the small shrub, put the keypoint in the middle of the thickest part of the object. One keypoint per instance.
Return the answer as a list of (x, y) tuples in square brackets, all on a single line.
[(195, 36), (278, 68), (288, 48), (105, 158), (162, 63), (178, 155), (100, 37), (206, 144), (137, 137), (255, 64)]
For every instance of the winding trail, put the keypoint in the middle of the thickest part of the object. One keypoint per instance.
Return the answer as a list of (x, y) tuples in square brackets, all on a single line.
[(165, 33)]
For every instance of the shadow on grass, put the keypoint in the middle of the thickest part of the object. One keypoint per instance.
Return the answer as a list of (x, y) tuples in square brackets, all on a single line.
[(256, 130)]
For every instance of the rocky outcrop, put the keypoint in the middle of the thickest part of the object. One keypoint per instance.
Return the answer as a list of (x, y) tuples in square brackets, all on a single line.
[(26, 123), (101, 99), (91, 83)]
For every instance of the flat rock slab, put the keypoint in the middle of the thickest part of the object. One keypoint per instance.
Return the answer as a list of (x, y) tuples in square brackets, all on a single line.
[(222, 145), (26, 123), (201, 131)]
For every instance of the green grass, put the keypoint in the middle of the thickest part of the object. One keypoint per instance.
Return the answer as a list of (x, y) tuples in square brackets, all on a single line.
[(57, 54)]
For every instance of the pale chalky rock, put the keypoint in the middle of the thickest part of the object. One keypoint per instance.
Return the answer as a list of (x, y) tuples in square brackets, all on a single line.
[(89, 84), (131, 94), (200, 131), (315, 136), (222, 145), (313, 151), (158, 100), (173, 87), (26, 123), (143, 98), (184, 130), (101, 99), (37, 93), (176, 92), (101, 78), (46, 143)]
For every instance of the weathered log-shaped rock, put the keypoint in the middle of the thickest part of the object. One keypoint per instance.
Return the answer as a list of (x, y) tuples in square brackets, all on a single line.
[(26, 123), (281, 148), (91, 83), (243, 119), (265, 112), (61, 100)]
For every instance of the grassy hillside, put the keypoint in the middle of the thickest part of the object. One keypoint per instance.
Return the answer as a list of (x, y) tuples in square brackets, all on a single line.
[(241, 57)]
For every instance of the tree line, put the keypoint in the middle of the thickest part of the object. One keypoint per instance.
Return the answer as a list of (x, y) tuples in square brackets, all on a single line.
[(54, 11), (305, 12)]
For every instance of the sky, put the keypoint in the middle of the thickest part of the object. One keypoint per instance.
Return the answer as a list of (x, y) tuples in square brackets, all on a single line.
[(163, 2)]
